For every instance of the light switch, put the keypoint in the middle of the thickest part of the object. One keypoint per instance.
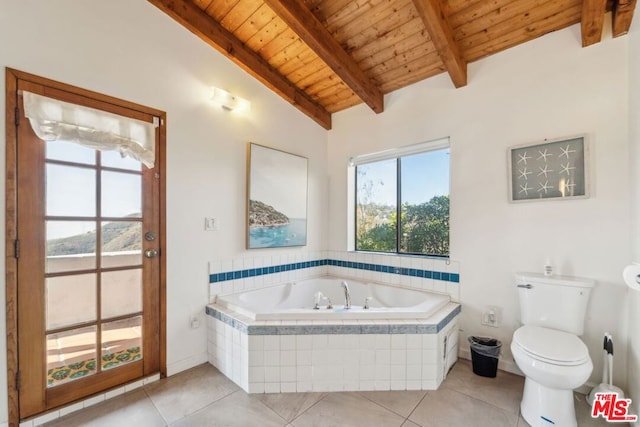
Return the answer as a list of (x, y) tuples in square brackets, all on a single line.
[(211, 224)]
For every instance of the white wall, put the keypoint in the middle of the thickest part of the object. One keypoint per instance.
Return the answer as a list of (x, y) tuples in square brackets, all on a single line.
[(548, 88), (130, 49), (634, 155)]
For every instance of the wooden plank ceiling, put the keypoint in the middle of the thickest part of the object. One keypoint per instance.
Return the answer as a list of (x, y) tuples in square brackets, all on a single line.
[(327, 55)]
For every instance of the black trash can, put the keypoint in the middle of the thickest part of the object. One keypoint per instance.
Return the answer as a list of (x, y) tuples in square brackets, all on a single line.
[(485, 353)]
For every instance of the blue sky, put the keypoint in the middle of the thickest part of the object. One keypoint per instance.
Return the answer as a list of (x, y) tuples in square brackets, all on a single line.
[(71, 190), (423, 176)]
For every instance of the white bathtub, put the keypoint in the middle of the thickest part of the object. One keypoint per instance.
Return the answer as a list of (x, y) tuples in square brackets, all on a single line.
[(295, 301)]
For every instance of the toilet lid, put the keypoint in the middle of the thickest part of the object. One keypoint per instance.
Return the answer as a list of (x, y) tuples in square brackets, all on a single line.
[(554, 346)]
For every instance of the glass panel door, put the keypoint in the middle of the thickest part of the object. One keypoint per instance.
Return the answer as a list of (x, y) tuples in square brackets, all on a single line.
[(93, 278), (88, 298)]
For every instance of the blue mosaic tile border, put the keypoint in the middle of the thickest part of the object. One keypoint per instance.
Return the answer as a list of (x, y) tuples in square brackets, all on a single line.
[(418, 328), (260, 271)]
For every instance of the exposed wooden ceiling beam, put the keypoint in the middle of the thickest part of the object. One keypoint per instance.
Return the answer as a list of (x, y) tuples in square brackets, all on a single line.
[(440, 31), (622, 15), (198, 22), (592, 21), (305, 24)]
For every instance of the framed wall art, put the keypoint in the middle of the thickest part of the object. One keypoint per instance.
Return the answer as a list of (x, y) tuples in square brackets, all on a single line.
[(277, 198), (550, 170)]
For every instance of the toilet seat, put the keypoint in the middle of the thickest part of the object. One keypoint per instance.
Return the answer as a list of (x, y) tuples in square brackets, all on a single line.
[(551, 346)]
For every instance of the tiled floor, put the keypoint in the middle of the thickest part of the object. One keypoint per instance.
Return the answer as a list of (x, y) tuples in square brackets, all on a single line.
[(202, 396)]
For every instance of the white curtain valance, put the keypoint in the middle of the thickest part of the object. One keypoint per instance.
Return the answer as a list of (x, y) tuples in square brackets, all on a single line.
[(57, 120)]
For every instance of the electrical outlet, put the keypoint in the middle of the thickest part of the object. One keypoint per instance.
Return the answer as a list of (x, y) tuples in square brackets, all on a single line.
[(492, 316), (195, 322)]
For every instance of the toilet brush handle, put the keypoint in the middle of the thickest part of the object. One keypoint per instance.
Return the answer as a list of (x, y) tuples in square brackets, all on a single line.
[(610, 357), (605, 360), (605, 367)]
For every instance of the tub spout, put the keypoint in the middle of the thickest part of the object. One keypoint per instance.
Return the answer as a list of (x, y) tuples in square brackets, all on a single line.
[(316, 299), (347, 295)]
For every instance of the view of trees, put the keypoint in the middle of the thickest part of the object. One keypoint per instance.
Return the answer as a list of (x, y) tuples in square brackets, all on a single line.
[(425, 227)]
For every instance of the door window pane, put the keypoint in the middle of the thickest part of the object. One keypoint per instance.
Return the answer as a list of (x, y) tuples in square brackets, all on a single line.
[(121, 195), (376, 206), (70, 300), (121, 293), (70, 245), (71, 191), (121, 342), (71, 355), (121, 244), (70, 152), (113, 159)]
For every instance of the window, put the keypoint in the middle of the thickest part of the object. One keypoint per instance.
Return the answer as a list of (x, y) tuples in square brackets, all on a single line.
[(402, 200)]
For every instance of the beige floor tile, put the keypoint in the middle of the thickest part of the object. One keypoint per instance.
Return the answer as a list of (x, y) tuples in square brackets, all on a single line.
[(503, 391), (347, 410), (522, 422), (450, 408), (130, 409), (400, 402), (235, 410), (187, 392), (290, 405), (409, 423)]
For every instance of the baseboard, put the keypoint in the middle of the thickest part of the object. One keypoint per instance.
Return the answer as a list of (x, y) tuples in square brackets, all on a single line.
[(510, 366), (188, 363)]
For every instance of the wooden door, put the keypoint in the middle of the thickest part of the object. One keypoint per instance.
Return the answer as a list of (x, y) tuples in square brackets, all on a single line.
[(88, 250)]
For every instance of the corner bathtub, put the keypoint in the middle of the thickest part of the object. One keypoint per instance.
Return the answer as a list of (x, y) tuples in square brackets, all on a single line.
[(295, 301), (271, 340)]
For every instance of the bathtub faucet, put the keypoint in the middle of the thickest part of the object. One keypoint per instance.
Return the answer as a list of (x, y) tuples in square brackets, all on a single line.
[(347, 295), (317, 297)]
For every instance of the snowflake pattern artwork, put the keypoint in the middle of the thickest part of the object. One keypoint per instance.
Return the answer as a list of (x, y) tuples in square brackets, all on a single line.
[(549, 170)]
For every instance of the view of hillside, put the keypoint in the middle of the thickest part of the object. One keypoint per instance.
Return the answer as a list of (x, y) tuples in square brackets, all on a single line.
[(116, 236), (263, 215)]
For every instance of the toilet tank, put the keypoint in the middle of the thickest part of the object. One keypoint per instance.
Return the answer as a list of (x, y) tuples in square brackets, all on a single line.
[(557, 302)]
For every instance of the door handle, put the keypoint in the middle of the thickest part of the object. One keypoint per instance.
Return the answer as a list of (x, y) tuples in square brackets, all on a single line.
[(527, 286), (151, 253)]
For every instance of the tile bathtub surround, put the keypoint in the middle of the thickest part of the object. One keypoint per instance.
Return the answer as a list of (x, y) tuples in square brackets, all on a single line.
[(411, 272), (415, 272), (332, 356), (338, 327)]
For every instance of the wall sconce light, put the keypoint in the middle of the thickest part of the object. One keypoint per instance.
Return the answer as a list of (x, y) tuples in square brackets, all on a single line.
[(228, 101)]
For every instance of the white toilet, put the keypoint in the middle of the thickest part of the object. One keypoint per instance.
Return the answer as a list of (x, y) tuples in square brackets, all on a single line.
[(547, 348)]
